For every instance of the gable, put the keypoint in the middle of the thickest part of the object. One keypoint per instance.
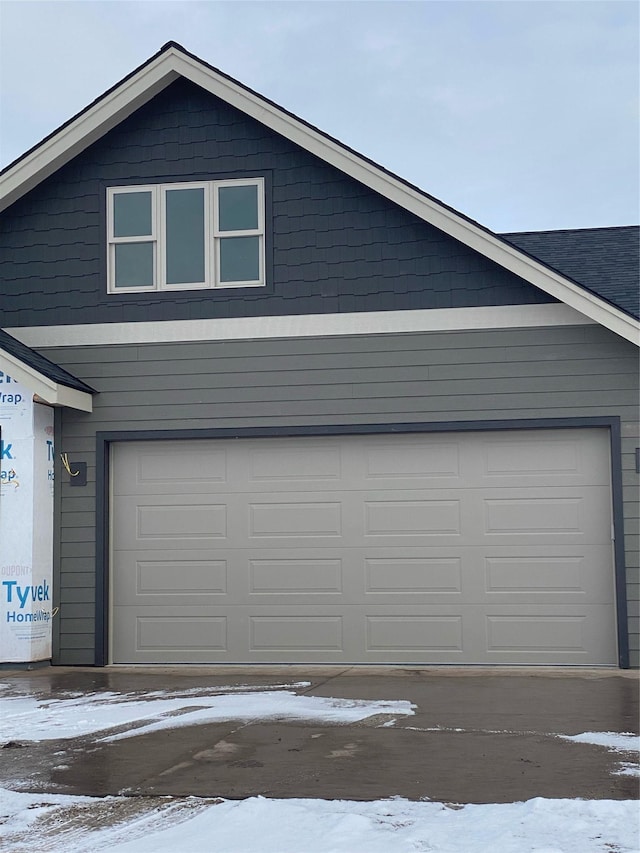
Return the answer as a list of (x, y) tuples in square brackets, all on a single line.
[(173, 62), (334, 245)]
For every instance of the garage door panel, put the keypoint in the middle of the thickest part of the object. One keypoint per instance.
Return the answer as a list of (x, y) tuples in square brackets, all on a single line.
[(539, 632), (299, 576), (294, 518), (294, 633), (185, 634), (387, 463), (288, 519), (573, 575), (397, 575), (405, 517), (169, 576), (551, 515), (282, 466), (169, 521), (411, 633), (180, 521), (557, 632), (568, 457), (173, 634), (406, 548), (547, 516), (186, 467)]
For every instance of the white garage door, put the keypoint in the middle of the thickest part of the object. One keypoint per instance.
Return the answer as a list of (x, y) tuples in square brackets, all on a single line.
[(483, 547)]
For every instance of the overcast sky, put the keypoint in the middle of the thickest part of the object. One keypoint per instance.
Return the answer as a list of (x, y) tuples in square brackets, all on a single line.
[(522, 115)]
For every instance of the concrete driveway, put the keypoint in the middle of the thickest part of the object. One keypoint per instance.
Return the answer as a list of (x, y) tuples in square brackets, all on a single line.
[(477, 736)]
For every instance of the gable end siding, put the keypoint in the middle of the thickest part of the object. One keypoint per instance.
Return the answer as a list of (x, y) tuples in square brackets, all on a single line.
[(336, 245)]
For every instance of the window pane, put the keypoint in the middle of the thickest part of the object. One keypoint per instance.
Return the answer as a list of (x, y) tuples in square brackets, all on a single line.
[(185, 236), (238, 208), (239, 259), (132, 214), (134, 265)]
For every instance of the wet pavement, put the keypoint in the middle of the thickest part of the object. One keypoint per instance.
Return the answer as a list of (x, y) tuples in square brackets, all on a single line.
[(477, 736)]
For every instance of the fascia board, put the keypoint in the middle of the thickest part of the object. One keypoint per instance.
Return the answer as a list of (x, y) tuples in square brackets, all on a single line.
[(71, 398), (172, 63), (45, 388)]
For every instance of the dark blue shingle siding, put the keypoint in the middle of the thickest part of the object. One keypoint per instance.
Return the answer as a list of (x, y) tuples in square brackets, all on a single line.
[(337, 246)]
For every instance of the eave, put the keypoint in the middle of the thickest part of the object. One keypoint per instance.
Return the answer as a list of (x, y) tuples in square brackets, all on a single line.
[(47, 390)]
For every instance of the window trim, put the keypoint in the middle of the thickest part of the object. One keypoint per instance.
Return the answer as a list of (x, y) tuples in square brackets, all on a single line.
[(212, 235), (259, 232), (113, 241), (161, 209)]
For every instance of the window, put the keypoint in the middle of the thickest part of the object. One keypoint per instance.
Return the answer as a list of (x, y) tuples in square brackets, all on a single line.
[(185, 236)]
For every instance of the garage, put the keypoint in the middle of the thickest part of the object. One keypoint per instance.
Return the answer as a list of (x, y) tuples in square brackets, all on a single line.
[(479, 547)]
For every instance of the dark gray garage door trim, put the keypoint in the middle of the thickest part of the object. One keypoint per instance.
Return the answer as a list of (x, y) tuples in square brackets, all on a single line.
[(105, 439)]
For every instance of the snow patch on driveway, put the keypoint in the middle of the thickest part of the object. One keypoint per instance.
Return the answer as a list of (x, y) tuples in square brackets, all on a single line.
[(615, 741), (35, 719)]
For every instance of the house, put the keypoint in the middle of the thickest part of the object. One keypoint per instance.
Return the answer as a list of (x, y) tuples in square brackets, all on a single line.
[(323, 416)]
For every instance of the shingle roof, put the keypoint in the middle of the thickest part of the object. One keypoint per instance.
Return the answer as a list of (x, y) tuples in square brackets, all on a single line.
[(38, 362), (606, 261)]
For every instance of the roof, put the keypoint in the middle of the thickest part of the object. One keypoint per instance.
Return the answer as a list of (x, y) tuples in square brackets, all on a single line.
[(605, 260), (49, 381), (173, 62)]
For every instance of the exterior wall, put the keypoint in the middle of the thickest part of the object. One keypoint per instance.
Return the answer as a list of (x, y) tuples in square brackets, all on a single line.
[(562, 372), (332, 244)]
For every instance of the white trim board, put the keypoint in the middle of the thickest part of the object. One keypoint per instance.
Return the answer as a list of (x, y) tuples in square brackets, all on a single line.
[(46, 389), (302, 326), (173, 62)]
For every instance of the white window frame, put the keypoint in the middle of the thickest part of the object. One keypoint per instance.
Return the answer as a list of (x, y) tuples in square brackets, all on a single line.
[(162, 223), (254, 232), (114, 241), (211, 242)]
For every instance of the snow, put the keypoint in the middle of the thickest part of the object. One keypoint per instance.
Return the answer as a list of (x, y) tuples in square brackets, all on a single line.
[(28, 717), (616, 741), (258, 825), (626, 768)]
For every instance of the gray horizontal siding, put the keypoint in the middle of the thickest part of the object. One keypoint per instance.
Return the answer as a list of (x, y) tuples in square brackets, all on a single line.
[(189, 390), (490, 375), (152, 376)]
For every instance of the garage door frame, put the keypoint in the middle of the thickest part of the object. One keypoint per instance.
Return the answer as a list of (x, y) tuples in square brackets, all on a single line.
[(104, 440)]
